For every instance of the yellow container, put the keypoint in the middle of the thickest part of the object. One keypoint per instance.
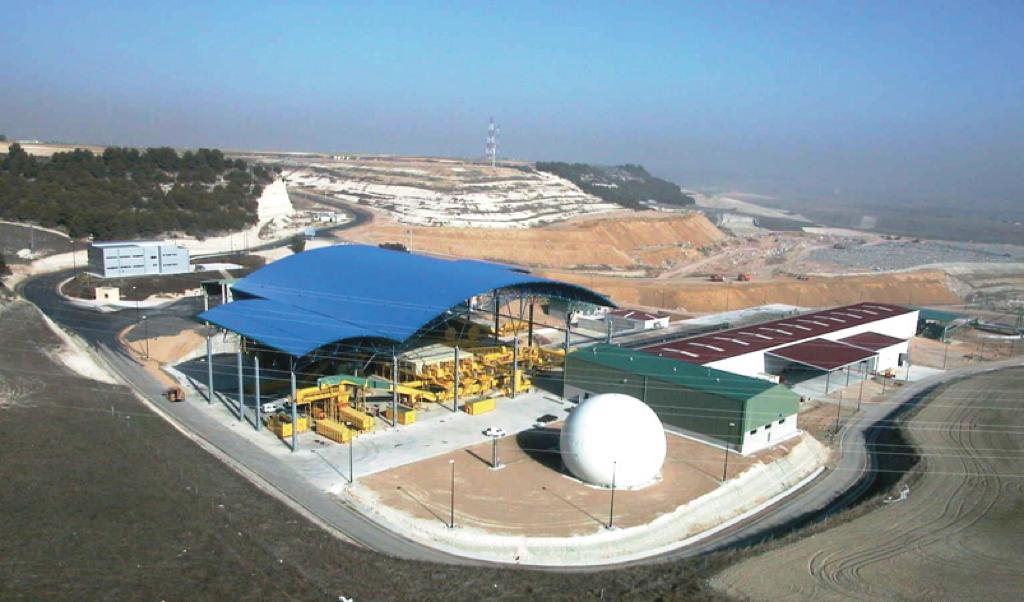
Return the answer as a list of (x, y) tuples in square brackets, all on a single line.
[(475, 408), (334, 431), (359, 420), (405, 415)]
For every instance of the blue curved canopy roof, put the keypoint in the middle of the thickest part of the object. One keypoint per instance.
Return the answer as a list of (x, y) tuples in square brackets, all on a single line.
[(322, 296)]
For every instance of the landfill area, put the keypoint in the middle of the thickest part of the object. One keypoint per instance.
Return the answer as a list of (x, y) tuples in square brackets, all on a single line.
[(891, 255)]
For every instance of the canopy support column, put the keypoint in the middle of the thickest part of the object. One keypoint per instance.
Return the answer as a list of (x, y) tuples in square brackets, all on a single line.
[(209, 368), (394, 388), (241, 390), (529, 332), (256, 376), (515, 365), (295, 417), (497, 302), (455, 398)]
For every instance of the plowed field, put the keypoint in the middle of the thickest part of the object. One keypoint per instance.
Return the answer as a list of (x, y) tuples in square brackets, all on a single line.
[(957, 536)]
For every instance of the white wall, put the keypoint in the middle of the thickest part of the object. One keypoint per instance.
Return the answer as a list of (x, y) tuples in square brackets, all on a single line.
[(767, 437), (890, 356), (903, 326)]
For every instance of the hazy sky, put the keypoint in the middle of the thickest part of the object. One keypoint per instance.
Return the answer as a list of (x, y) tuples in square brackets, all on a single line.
[(894, 100)]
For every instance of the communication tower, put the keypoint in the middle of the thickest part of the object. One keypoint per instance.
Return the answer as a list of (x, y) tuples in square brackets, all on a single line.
[(492, 143)]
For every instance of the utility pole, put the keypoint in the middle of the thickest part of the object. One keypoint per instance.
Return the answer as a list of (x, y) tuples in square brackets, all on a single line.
[(565, 357), (725, 468), (145, 333), (451, 519), (863, 377), (351, 455), (611, 505)]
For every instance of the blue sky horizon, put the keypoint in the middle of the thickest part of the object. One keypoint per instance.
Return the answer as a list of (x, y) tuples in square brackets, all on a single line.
[(858, 102)]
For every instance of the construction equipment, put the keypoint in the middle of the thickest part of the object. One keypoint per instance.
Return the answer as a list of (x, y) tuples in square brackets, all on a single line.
[(717, 277), (281, 425), (329, 429), (405, 415), (744, 277), (359, 420), (174, 394), (481, 406)]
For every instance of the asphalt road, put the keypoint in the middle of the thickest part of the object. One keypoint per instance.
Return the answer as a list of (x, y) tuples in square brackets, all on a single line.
[(832, 491), (99, 331)]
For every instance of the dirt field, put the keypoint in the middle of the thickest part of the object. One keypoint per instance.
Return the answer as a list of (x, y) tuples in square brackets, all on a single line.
[(533, 496), (955, 538), (622, 240), (917, 288), (15, 237), (104, 500)]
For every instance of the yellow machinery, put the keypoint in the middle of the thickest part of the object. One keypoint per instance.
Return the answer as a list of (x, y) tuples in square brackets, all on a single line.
[(429, 373), (405, 415), (481, 406), (359, 420), (334, 431), (281, 425)]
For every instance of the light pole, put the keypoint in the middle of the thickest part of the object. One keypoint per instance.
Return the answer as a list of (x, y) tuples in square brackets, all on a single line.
[(863, 377), (945, 352), (725, 468), (351, 455), (611, 505), (451, 519), (145, 333)]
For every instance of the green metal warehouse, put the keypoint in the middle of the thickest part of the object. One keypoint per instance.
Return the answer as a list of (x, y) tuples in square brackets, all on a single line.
[(747, 414)]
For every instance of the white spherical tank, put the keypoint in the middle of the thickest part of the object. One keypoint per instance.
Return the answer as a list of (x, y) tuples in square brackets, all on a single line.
[(613, 432)]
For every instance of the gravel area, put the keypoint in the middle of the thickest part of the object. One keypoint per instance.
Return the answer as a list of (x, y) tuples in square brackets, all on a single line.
[(898, 255)]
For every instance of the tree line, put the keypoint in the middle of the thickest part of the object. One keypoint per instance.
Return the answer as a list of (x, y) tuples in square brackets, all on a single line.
[(130, 193), (629, 185)]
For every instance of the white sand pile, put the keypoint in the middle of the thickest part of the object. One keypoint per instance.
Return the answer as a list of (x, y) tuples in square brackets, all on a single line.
[(274, 204)]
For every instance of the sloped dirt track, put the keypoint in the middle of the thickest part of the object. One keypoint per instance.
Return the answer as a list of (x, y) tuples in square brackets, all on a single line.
[(957, 537)]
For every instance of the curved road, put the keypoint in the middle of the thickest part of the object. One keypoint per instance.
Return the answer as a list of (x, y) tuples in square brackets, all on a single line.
[(833, 490)]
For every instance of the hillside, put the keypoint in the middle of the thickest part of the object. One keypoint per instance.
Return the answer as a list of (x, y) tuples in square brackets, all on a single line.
[(127, 193), (628, 186), (621, 241), (914, 288), (443, 192)]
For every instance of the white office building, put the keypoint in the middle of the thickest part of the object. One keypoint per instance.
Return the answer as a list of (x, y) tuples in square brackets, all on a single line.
[(137, 258)]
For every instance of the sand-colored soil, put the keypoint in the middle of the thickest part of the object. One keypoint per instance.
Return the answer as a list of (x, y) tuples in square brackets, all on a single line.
[(533, 496), (623, 241), (957, 536), (163, 350), (917, 288)]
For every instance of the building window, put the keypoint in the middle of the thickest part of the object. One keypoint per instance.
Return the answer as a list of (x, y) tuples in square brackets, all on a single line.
[(781, 420), (767, 426), (753, 432)]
